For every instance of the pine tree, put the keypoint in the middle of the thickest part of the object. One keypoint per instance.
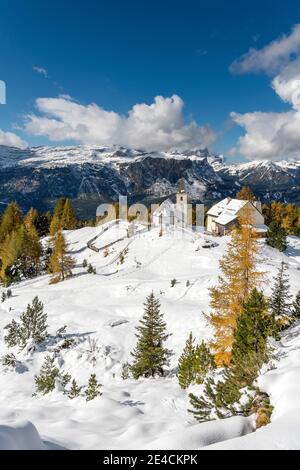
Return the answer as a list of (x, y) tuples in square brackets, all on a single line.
[(45, 381), (126, 370), (91, 269), (11, 220), (60, 263), (9, 360), (203, 362), (74, 391), (3, 297), (186, 371), (250, 348), (280, 304), (150, 357), (68, 218), (33, 325), (34, 322), (246, 194), (276, 236), (296, 306), (84, 263), (93, 389), (13, 337), (249, 352), (239, 277), (59, 208)]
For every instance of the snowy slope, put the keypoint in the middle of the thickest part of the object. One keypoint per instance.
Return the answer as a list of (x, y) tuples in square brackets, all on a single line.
[(107, 307)]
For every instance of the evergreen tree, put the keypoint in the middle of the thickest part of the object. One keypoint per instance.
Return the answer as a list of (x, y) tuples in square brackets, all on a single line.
[(239, 276), (249, 352), (246, 194), (34, 322), (33, 325), (91, 269), (84, 263), (150, 356), (186, 371), (11, 220), (45, 381), (60, 263), (68, 217), (3, 297), (250, 348), (9, 360), (280, 304), (203, 362), (13, 337), (126, 370), (93, 389), (74, 391), (276, 236), (296, 307)]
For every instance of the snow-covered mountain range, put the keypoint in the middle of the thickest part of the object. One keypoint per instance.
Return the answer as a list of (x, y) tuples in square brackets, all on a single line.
[(89, 175)]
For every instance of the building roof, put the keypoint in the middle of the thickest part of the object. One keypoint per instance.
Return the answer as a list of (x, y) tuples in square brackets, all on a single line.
[(227, 210), (218, 208)]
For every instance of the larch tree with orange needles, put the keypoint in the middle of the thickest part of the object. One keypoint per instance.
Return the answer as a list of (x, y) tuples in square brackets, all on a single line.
[(239, 276)]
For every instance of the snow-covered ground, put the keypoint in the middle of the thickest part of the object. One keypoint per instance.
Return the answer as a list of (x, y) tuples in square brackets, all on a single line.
[(106, 307)]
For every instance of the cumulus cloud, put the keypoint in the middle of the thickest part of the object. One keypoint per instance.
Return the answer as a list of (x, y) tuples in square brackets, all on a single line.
[(40, 70), (158, 126), (272, 57), (11, 140), (273, 135)]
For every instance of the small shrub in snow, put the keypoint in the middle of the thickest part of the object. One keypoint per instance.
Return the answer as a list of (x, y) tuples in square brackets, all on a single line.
[(173, 282), (188, 284), (74, 390), (126, 370), (61, 331), (93, 388), (84, 263), (106, 252), (8, 293), (9, 360), (32, 326), (3, 297), (45, 381), (91, 269)]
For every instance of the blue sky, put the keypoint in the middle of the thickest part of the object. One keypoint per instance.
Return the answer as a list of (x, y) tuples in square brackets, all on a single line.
[(120, 53)]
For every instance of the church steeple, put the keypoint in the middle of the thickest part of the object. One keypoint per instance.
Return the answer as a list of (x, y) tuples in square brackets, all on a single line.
[(181, 186), (181, 196)]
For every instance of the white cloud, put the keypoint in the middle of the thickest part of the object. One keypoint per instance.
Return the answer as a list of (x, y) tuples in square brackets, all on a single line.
[(272, 57), (158, 126), (11, 140), (40, 70), (273, 135)]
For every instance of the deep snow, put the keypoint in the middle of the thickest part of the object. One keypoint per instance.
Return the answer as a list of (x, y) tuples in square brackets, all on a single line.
[(106, 307)]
